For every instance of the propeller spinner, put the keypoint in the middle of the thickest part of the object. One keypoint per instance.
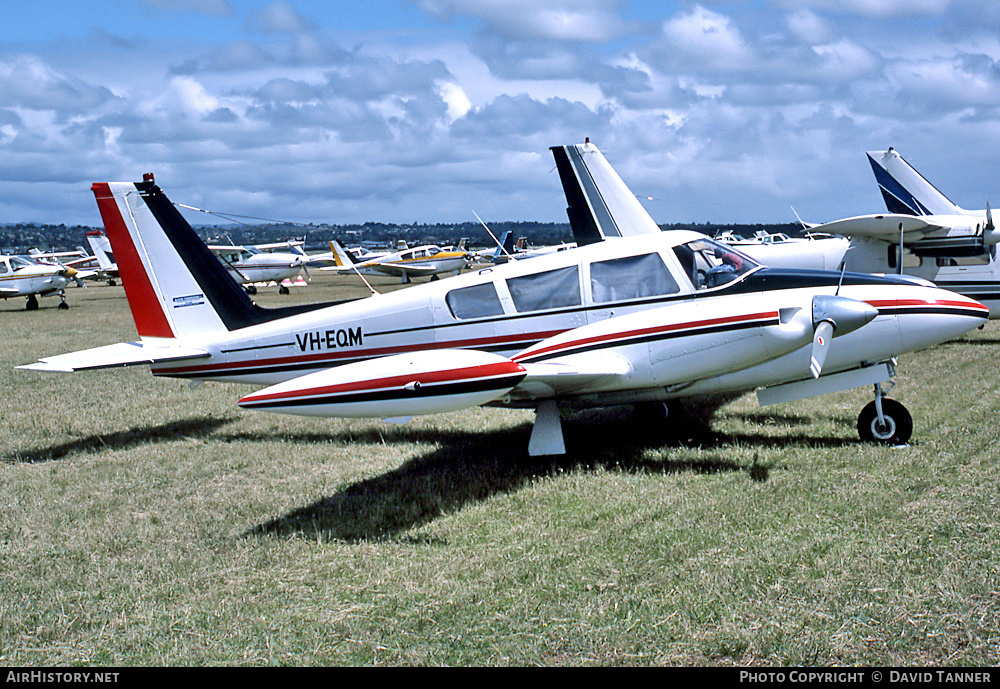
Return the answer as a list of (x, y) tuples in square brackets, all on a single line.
[(834, 316)]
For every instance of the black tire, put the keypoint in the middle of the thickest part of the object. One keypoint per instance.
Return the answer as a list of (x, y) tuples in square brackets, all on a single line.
[(32, 304), (898, 423)]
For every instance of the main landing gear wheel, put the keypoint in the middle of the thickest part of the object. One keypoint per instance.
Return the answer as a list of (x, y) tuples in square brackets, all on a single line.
[(32, 304), (894, 428)]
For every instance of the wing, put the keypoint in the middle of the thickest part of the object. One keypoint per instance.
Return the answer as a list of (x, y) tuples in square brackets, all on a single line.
[(880, 226), (121, 354)]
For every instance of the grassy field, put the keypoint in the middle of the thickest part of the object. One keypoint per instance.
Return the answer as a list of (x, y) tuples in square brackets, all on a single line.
[(146, 522)]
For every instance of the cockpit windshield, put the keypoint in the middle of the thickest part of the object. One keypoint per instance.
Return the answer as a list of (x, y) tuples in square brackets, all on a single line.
[(712, 264)]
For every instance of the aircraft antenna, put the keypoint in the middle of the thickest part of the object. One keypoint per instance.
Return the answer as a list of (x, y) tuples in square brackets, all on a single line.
[(367, 284), (495, 240)]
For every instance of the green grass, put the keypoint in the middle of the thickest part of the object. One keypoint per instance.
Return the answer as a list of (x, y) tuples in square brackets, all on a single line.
[(143, 522)]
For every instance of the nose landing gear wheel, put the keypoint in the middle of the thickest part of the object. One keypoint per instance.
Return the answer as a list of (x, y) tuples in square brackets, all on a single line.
[(895, 428)]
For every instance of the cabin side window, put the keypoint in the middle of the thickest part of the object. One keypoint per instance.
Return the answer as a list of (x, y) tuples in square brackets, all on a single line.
[(478, 301), (710, 264), (552, 289), (632, 277), (4, 268)]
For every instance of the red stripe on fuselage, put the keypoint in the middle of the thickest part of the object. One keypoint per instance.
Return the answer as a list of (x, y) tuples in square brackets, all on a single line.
[(391, 382), (642, 332), (944, 303), (147, 312)]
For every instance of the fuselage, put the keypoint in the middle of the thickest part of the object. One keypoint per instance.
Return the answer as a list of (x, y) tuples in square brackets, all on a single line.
[(19, 277), (247, 265), (507, 309)]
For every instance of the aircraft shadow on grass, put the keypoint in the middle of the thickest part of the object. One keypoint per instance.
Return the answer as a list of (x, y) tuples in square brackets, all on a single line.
[(198, 427), (467, 467)]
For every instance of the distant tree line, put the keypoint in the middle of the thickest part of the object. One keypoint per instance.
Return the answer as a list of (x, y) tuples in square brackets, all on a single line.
[(21, 237)]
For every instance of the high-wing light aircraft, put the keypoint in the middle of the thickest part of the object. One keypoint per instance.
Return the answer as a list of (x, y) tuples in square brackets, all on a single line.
[(420, 261), (923, 234), (20, 277), (651, 318), (248, 265), (956, 250)]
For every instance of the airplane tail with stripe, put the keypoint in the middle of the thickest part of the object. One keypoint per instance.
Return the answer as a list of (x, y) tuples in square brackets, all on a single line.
[(601, 206), (342, 258), (905, 190), (175, 286)]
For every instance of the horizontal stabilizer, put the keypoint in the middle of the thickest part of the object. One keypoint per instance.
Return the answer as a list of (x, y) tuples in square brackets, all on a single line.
[(121, 354)]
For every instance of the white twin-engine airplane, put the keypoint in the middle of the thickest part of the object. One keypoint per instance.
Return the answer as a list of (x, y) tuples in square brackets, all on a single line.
[(648, 319)]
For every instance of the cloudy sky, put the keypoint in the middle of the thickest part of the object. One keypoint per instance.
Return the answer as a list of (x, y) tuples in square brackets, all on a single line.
[(721, 111)]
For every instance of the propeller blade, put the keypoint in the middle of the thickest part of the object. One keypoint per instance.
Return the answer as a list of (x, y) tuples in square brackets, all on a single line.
[(820, 347)]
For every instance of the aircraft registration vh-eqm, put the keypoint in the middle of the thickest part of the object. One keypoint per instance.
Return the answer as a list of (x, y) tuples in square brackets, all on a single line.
[(652, 318)]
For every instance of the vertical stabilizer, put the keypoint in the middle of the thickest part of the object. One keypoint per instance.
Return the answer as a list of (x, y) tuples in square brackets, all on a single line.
[(905, 190), (101, 247), (601, 206), (174, 284)]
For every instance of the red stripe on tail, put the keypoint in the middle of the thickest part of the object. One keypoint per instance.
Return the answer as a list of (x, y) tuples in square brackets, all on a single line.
[(147, 311)]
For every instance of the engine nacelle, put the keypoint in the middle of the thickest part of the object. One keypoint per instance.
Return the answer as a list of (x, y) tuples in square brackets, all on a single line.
[(428, 382)]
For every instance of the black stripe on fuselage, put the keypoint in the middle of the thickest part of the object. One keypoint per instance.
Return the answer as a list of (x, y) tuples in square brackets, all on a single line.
[(652, 337), (230, 301)]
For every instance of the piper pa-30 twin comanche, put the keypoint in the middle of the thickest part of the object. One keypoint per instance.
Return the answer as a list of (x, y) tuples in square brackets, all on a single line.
[(652, 318), (420, 261)]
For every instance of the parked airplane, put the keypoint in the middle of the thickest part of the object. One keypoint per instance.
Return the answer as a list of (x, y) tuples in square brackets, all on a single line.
[(937, 248), (20, 277), (248, 265), (78, 260), (651, 318), (420, 261), (924, 234)]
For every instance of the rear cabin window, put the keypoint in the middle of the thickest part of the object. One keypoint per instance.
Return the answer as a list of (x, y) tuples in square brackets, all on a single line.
[(478, 301), (552, 289), (632, 277)]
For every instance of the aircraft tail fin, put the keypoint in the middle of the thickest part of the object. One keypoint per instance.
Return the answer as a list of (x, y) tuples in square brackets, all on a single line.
[(341, 256), (101, 247), (600, 206), (505, 247), (175, 286), (905, 190)]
